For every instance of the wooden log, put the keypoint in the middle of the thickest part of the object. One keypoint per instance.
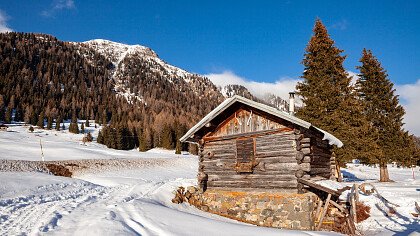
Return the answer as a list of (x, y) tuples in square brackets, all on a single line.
[(280, 159), (305, 145), (253, 184), (274, 145), (306, 177), (285, 166), (306, 167), (306, 159), (275, 154), (299, 156), (252, 177), (299, 173), (306, 151), (320, 170), (318, 209), (306, 140), (324, 211)]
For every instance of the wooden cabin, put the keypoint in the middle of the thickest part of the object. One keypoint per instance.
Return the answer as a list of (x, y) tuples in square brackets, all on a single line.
[(248, 146)]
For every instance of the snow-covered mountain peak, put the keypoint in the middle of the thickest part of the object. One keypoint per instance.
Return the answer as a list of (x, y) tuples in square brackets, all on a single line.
[(118, 51)]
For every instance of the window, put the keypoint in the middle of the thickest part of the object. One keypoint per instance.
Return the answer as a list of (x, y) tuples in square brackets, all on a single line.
[(244, 155)]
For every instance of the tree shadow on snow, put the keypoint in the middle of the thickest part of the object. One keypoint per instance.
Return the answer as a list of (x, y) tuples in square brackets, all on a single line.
[(410, 225), (350, 177)]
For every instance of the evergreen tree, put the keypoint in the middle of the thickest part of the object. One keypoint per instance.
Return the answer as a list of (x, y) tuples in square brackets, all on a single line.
[(87, 123), (40, 123), (330, 101), (49, 122), (31, 129), (167, 137), (382, 109), (82, 128), (57, 123), (74, 128), (100, 138), (8, 115), (64, 127)]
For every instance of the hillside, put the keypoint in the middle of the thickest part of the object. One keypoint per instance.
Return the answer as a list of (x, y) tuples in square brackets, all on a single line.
[(128, 86)]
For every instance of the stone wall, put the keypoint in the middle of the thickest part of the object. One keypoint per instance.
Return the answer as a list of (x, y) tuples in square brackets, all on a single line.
[(280, 210)]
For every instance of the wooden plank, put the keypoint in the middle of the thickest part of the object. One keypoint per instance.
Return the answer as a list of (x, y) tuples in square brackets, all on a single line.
[(324, 211), (249, 134), (276, 159), (251, 177), (319, 187)]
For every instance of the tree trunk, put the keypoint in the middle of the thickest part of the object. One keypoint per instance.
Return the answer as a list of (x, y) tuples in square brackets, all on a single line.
[(383, 173)]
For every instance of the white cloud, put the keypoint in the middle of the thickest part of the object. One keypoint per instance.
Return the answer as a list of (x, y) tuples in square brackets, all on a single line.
[(3, 23), (410, 99), (58, 5), (281, 87)]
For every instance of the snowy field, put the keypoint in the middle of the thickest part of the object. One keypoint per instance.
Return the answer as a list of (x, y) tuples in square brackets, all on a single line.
[(137, 201), (20, 144)]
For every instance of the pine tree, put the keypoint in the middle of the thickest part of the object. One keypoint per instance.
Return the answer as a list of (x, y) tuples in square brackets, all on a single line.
[(82, 128), (8, 115), (100, 138), (74, 128), (330, 102), (40, 123), (87, 123), (64, 127), (49, 122), (384, 112), (57, 123)]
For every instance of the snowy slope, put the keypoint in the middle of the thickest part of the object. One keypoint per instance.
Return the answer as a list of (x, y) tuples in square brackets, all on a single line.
[(62, 145)]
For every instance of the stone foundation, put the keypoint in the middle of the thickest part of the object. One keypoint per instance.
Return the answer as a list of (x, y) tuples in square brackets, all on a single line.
[(280, 210)]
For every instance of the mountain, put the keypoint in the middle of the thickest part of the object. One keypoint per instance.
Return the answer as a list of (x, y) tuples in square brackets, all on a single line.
[(127, 86)]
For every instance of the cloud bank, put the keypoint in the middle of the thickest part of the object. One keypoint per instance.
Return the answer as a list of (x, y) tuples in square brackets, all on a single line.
[(3, 23), (409, 93), (281, 87), (58, 5), (410, 99)]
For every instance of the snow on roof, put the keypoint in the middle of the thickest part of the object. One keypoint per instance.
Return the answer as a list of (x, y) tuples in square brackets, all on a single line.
[(270, 110)]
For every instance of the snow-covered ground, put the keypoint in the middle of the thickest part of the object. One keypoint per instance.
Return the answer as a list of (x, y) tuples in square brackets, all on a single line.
[(405, 191), (137, 200), (20, 144)]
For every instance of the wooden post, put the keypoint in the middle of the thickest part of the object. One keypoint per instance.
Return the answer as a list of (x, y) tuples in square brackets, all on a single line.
[(324, 211), (42, 152)]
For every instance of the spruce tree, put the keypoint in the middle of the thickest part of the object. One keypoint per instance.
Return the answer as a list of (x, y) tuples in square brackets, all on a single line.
[(87, 123), (330, 102), (100, 139), (40, 123), (74, 128), (49, 122), (82, 128), (8, 115), (384, 112), (57, 123)]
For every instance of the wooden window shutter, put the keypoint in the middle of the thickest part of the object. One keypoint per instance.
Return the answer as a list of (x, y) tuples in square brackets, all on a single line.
[(244, 155)]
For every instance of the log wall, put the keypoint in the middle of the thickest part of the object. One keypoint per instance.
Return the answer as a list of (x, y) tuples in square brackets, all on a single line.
[(274, 162)]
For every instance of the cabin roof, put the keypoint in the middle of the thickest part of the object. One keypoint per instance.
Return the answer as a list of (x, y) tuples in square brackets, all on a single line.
[(259, 106)]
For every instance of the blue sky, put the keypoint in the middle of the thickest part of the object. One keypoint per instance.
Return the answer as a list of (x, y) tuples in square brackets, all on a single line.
[(253, 41)]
